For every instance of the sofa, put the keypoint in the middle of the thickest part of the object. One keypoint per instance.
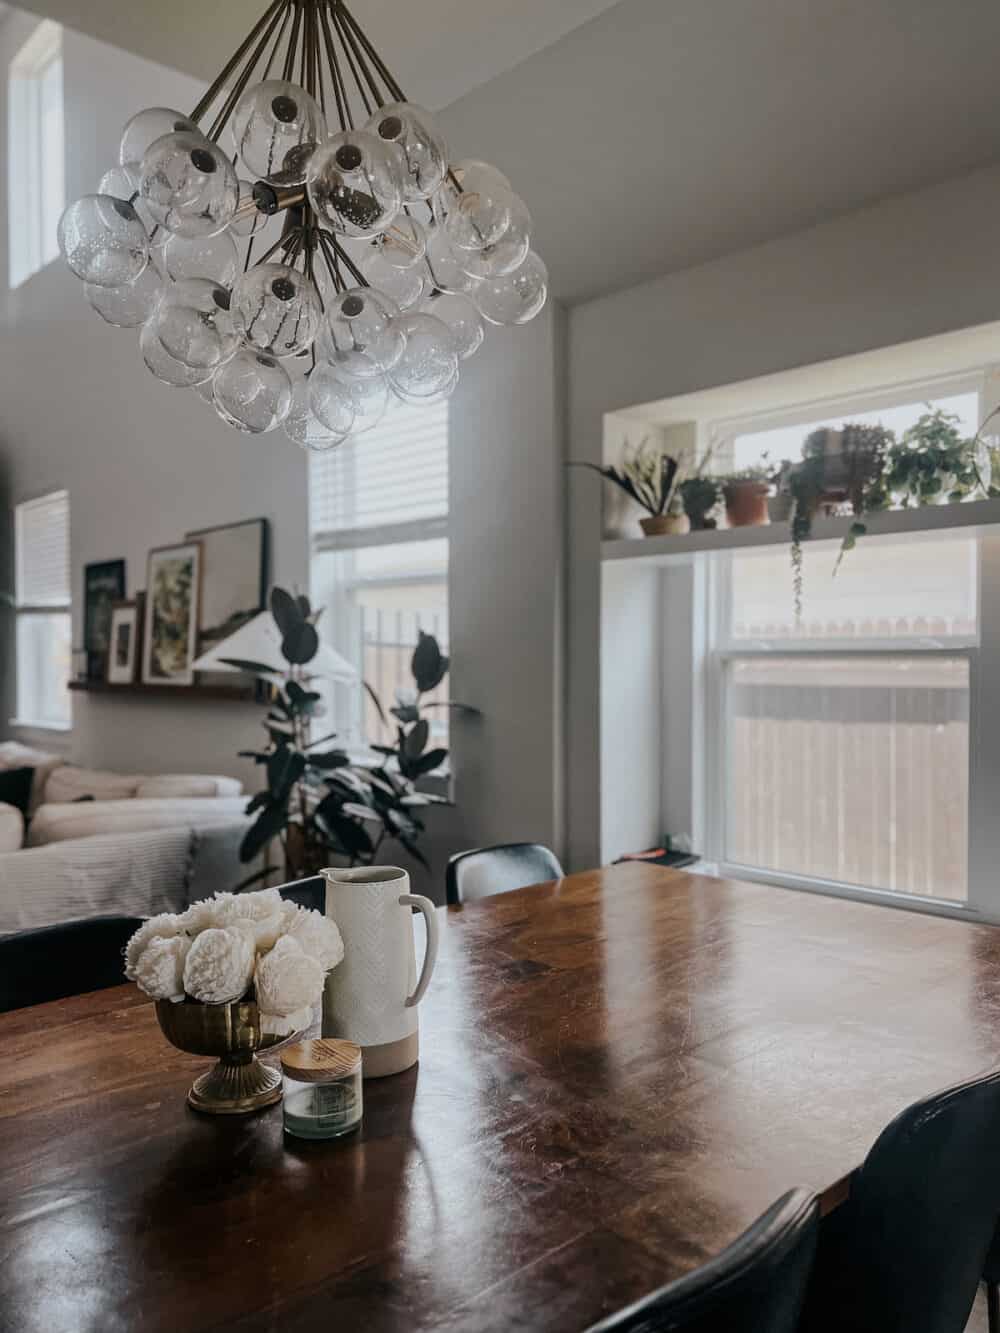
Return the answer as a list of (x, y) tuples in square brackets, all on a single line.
[(89, 842)]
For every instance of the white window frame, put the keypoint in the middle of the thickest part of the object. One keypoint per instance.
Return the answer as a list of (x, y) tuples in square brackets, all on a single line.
[(24, 609), (714, 649), (35, 156)]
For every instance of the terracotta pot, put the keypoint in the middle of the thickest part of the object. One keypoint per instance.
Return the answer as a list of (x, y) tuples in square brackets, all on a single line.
[(663, 525), (746, 503)]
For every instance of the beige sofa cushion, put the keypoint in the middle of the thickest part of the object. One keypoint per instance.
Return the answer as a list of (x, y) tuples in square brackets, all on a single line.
[(135, 875), (11, 828), (15, 755), (186, 784), (70, 784), (57, 823)]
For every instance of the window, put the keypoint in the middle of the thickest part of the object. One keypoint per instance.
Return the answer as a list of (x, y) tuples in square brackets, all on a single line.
[(36, 182), (840, 746), (42, 611), (379, 520)]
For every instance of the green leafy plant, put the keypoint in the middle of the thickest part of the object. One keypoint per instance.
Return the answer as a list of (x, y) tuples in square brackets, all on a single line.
[(645, 475), (759, 472), (700, 496), (933, 461), (324, 806)]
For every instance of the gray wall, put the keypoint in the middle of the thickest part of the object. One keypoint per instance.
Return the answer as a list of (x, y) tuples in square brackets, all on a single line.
[(906, 268)]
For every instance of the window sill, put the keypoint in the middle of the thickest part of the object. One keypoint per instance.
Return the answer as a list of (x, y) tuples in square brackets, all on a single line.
[(23, 724)]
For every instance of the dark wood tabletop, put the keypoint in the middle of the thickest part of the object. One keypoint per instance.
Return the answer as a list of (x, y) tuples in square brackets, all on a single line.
[(618, 1072)]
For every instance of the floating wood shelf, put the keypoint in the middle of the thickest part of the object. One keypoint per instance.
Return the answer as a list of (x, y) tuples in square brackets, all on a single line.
[(182, 693), (979, 515)]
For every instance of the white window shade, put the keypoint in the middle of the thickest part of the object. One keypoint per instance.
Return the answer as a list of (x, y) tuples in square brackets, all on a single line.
[(388, 485), (42, 539)]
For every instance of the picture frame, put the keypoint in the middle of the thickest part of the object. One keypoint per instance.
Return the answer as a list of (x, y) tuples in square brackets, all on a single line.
[(103, 585), (234, 577), (123, 655), (170, 620)]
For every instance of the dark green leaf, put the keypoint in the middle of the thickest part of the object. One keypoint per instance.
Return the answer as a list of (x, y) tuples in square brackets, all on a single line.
[(301, 700), (271, 822), (301, 644), (304, 606), (429, 665), (411, 846), (255, 668), (327, 759), (284, 768), (406, 712), (349, 834), (257, 802), (258, 756), (426, 763), (416, 739), (321, 740), (375, 700), (288, 615)]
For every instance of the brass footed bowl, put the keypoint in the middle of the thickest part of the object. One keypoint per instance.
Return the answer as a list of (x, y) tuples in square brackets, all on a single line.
[(239, 1082)]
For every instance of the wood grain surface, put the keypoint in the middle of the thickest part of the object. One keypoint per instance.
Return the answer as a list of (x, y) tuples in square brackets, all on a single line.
[(618, 1072)]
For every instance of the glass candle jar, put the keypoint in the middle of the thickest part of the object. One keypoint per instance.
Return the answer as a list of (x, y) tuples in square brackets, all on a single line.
[(322, 1087)]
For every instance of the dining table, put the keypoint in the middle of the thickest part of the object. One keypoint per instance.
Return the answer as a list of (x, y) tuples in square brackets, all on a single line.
[(619, 1070)]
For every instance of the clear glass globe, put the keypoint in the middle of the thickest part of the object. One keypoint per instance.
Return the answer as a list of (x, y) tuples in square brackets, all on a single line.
[(277, 309), (413, 130), (431, 399), (189, 185), (193, 323), (446, 272), (463, 320), (330, 400), (215, 257), (355, 183), (371, 399), (508, 254), (117, 182), (359, 335), (270, 121), (479, 213), (167, 368), (516, 298), (250, 223), (406, 286), (429, 358), (253, 392), (303, 426), (103, 240), (404, 244), (130, 306), (144, 128)]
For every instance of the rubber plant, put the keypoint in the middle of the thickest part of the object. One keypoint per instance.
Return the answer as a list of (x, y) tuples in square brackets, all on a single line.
[(323, 805)]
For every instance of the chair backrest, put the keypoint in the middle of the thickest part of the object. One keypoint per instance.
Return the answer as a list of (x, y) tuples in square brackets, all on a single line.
[(56, 961), (922, 1213), (757, 1285), (309, 893), (488, 870)]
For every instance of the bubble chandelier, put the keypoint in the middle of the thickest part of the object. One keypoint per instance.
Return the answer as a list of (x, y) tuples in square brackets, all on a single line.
[(313, 254)]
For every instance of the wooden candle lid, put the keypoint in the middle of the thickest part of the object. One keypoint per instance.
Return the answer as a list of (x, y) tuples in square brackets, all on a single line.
[(321, 1059)]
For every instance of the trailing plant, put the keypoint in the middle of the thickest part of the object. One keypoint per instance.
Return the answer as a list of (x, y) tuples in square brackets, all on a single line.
[(645, 475), (931, 461), (864, 452), (323, 805)]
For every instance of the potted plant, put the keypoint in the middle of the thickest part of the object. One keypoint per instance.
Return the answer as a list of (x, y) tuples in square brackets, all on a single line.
[(746, 495), (325, 806), (780, 503), (651, 480), (700, 496), (933, 463)]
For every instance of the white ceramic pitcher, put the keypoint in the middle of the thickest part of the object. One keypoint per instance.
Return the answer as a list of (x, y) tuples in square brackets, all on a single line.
[(371, 997)]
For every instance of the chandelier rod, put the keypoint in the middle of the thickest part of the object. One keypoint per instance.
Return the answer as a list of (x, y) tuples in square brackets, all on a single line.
[(288, 73), (339, 88), (216, 87), (390, 83), (237, 90), (351, 65), (349, 37)]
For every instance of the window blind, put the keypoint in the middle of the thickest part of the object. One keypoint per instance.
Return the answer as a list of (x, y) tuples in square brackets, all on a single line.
[(42, 551), (388, 485)]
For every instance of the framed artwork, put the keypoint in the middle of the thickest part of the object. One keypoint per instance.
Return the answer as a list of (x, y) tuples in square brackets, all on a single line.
[(123, 655), (233, 578), (103, 585), (170, 632)]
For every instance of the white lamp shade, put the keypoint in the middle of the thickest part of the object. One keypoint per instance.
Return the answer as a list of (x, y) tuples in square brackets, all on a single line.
[(259, 640)]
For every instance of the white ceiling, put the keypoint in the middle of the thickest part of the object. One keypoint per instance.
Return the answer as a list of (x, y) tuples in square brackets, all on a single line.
[(437, 49), (650, 135)]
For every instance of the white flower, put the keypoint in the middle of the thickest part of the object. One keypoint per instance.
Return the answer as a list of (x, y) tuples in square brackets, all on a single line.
[(165, 925), (160, 967), (263, 910), (283, 1025), (317, 934), (219, 965), (288, 979)]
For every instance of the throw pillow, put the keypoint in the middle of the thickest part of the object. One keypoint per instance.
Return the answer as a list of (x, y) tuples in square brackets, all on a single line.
[(15, 787)]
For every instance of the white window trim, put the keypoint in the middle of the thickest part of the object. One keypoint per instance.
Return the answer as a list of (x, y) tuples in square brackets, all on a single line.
[(21, 609), (31, 248), (712, 648)]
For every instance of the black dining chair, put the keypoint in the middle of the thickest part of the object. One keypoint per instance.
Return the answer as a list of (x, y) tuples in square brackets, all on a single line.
[(489, 870), (906, 1252), (56, 961), (991, 1276), (309, 892), (757, 1285)]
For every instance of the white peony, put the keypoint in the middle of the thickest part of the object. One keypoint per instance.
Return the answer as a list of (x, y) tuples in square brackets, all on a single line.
[(165, 925), (262, 910), (283, 1025), (160, 967), (219, 965), (317, 934), (288, 979)]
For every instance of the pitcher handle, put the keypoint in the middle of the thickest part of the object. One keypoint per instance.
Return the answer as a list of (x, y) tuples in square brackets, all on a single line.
[(430, 956)]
